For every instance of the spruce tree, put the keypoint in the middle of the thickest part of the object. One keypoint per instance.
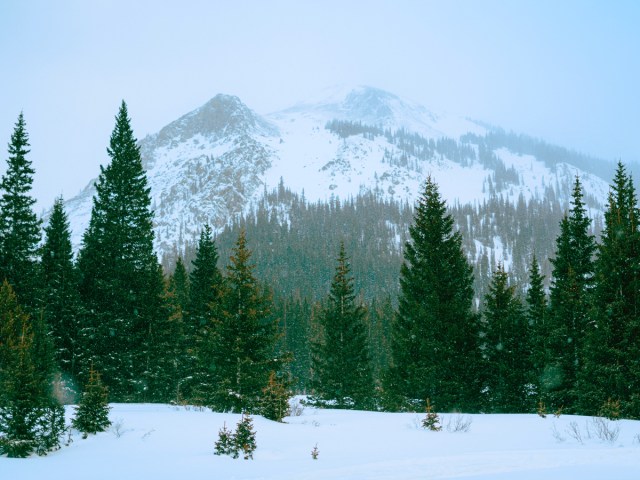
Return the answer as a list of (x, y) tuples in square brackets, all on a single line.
[(179, 286), (165, 351), (225, 445), (92, 412), (205, 289), (19, 225), (244, 438), (506, 349), (296, 315), (241, 351), (536, 312), (274, 403), (611, 361), (120, 282), (204, 281), (61, 300), (435, 334), (31, 419), (569, 304), (176, 340), (381, 312), (341, 364)]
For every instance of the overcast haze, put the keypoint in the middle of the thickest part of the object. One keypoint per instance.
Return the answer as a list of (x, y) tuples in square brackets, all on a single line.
[(564, 71)]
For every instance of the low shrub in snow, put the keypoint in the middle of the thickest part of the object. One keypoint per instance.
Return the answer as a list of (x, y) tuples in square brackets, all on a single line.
[(432, 420)]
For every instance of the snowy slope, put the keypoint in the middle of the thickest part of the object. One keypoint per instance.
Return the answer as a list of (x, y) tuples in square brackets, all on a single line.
[(216, 162), (166, 442)]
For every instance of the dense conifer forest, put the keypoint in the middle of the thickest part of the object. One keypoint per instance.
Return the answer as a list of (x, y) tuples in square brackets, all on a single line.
[(492, 307)]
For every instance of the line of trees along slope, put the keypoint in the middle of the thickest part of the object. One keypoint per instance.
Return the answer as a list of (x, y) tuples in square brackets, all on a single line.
[(419, 324), (294, 242)]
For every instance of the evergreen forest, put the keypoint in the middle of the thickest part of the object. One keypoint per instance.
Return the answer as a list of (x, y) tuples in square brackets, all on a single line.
[(360, 303)]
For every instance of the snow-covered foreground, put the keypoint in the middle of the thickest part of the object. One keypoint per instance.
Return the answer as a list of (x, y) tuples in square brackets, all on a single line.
[(167, 442)]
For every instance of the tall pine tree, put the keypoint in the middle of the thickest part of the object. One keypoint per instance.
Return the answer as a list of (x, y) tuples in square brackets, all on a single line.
[(164, 350), (569, 303), (435, 334), (612, 368), (536, 314), (241, 350), (179, 285), (205, 282), (120, 283), (205, 291), (61, 300), (181, 345), (19, 225), (341, 363), (508, 375)]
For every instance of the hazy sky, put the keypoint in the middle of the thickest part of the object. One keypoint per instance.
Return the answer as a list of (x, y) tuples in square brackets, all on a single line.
[(566, 71)]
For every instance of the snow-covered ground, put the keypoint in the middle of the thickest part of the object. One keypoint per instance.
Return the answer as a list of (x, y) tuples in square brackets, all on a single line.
[(167, 442)]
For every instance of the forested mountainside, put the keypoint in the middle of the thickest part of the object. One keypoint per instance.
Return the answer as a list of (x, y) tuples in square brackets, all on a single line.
[(215, 164), (485, 305), (349, 169), (294, 241)]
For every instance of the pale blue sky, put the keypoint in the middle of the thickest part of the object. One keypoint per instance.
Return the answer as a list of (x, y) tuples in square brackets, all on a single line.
[(566, 71)]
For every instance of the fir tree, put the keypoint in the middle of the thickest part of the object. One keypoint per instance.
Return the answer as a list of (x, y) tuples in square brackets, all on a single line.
[(120, 282), (274, 403), (296, 316), (61, 301), (225, 445), (205, 290), (245, 437), (536, 311), (92, 412), (432, 420), (435, 334), (507, 356), (176, 342), (611, 369), (166, 368), (381, 314), (315, 452), (31, 420), (572, 282), (204, 281), (179, 286), (19, 225), (241, 351), (341, 364)]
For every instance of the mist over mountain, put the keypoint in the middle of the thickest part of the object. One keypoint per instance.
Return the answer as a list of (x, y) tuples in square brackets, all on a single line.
[(225, 165)]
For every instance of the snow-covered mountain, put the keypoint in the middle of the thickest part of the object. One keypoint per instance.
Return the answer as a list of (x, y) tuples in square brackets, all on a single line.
[(217, 161)]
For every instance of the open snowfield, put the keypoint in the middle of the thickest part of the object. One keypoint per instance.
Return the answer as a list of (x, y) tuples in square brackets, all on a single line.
[(167, 442)]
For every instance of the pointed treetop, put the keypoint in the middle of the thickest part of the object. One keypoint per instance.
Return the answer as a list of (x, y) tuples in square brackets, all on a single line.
[(123, 143), (19, 175), (19, 138), (240, 266), (19, 225)]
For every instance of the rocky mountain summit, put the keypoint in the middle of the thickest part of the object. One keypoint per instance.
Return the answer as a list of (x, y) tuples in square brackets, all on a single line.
[(218, 161)]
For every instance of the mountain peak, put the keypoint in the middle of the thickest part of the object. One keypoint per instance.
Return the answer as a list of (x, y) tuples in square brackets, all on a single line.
[(375, 104), (343, 95), (217, 161), (222, 116), (377, 107)]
